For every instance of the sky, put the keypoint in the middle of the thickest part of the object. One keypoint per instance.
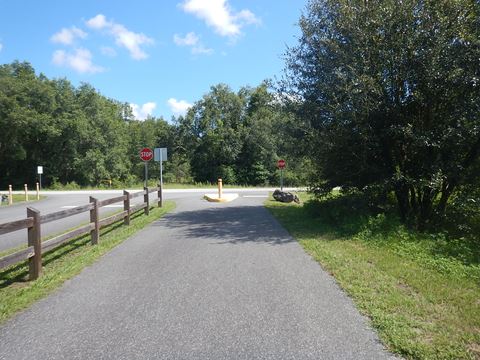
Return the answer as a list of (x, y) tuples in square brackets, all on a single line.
[(160, 56)]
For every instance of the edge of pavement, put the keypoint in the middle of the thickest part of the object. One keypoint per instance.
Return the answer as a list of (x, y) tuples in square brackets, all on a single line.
[(165, 191)]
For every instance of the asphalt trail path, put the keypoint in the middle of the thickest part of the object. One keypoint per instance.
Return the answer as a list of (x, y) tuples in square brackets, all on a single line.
[(209, 281)]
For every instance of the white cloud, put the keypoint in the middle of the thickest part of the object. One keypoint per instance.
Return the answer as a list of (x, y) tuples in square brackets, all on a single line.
[(219, 15), (108, 51), (247, 17), (80, 60), (201, 50), (1, 46), (98, 22), (144, 111), (130, 40), (192, 40), (68, 36), (178, 107)]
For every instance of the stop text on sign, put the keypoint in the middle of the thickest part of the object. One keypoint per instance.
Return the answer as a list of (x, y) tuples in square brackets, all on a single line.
[(146, 154), (281, 164)]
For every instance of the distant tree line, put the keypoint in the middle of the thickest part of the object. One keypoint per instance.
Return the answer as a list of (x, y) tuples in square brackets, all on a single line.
[(78, 135)]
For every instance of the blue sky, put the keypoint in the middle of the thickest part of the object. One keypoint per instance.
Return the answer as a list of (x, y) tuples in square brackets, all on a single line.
[(160, 56)]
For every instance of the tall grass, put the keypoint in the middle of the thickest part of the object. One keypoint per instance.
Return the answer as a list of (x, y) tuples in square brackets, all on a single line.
[(420, 290)]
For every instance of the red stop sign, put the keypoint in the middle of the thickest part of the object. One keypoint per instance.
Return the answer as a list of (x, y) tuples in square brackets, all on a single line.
[(146, 154), (281, 164)]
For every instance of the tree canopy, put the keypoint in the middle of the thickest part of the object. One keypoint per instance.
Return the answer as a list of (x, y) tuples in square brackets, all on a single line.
[(388, 93), (235, 136), (77, 134)]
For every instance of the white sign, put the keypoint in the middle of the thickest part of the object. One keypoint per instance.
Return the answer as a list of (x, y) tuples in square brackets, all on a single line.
[(39, 170), (160, 153)]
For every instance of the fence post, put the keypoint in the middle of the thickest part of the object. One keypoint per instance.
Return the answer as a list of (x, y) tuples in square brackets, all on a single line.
[(160, 195), (94, 218), (10, 195), (26, 192), (126, 207), (146, 200), (35, 240), (38, 191)]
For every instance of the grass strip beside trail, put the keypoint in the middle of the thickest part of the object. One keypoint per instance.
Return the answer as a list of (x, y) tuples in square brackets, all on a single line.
[(423, 301), (140, 185), (20, 199), (64, 262)]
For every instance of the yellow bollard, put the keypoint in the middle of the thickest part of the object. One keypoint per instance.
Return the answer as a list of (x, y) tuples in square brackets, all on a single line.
[(26, 192), (38, 191), (219, 188), (219, 197), (10, 195)]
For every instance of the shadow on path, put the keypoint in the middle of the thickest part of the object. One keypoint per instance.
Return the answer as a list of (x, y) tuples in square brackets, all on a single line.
[(232, 225)]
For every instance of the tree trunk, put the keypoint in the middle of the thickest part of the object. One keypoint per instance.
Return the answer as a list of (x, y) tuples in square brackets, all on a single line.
[(401, 193), (413, 199), (447, 190), (424, 214)]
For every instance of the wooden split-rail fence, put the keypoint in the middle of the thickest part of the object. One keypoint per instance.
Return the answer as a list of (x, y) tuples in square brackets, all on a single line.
[(34, 221)]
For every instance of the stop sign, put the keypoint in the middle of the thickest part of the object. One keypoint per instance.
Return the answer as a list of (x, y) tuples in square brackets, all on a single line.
[(281, 164), (146, 154)]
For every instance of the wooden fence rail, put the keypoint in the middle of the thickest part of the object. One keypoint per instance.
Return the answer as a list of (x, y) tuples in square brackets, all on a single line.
[(34, 220)]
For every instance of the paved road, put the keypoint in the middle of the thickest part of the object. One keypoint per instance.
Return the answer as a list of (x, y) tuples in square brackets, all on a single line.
[(54, 202), (59, 200), (209, 281)]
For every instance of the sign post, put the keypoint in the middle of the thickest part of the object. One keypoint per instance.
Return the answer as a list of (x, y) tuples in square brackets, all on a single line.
[(160, 155), (281, 165), (40, 172), (146, 154)]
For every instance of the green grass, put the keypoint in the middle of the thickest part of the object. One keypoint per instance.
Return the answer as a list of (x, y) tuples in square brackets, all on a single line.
[(20, 198), (421, 291), (64, 262)]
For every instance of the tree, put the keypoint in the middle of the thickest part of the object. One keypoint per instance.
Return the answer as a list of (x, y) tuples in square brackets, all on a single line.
[(76, 134), (389, 92), (235, 136), (214, 128), (103, 148), (25, 104), (256, 161)]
